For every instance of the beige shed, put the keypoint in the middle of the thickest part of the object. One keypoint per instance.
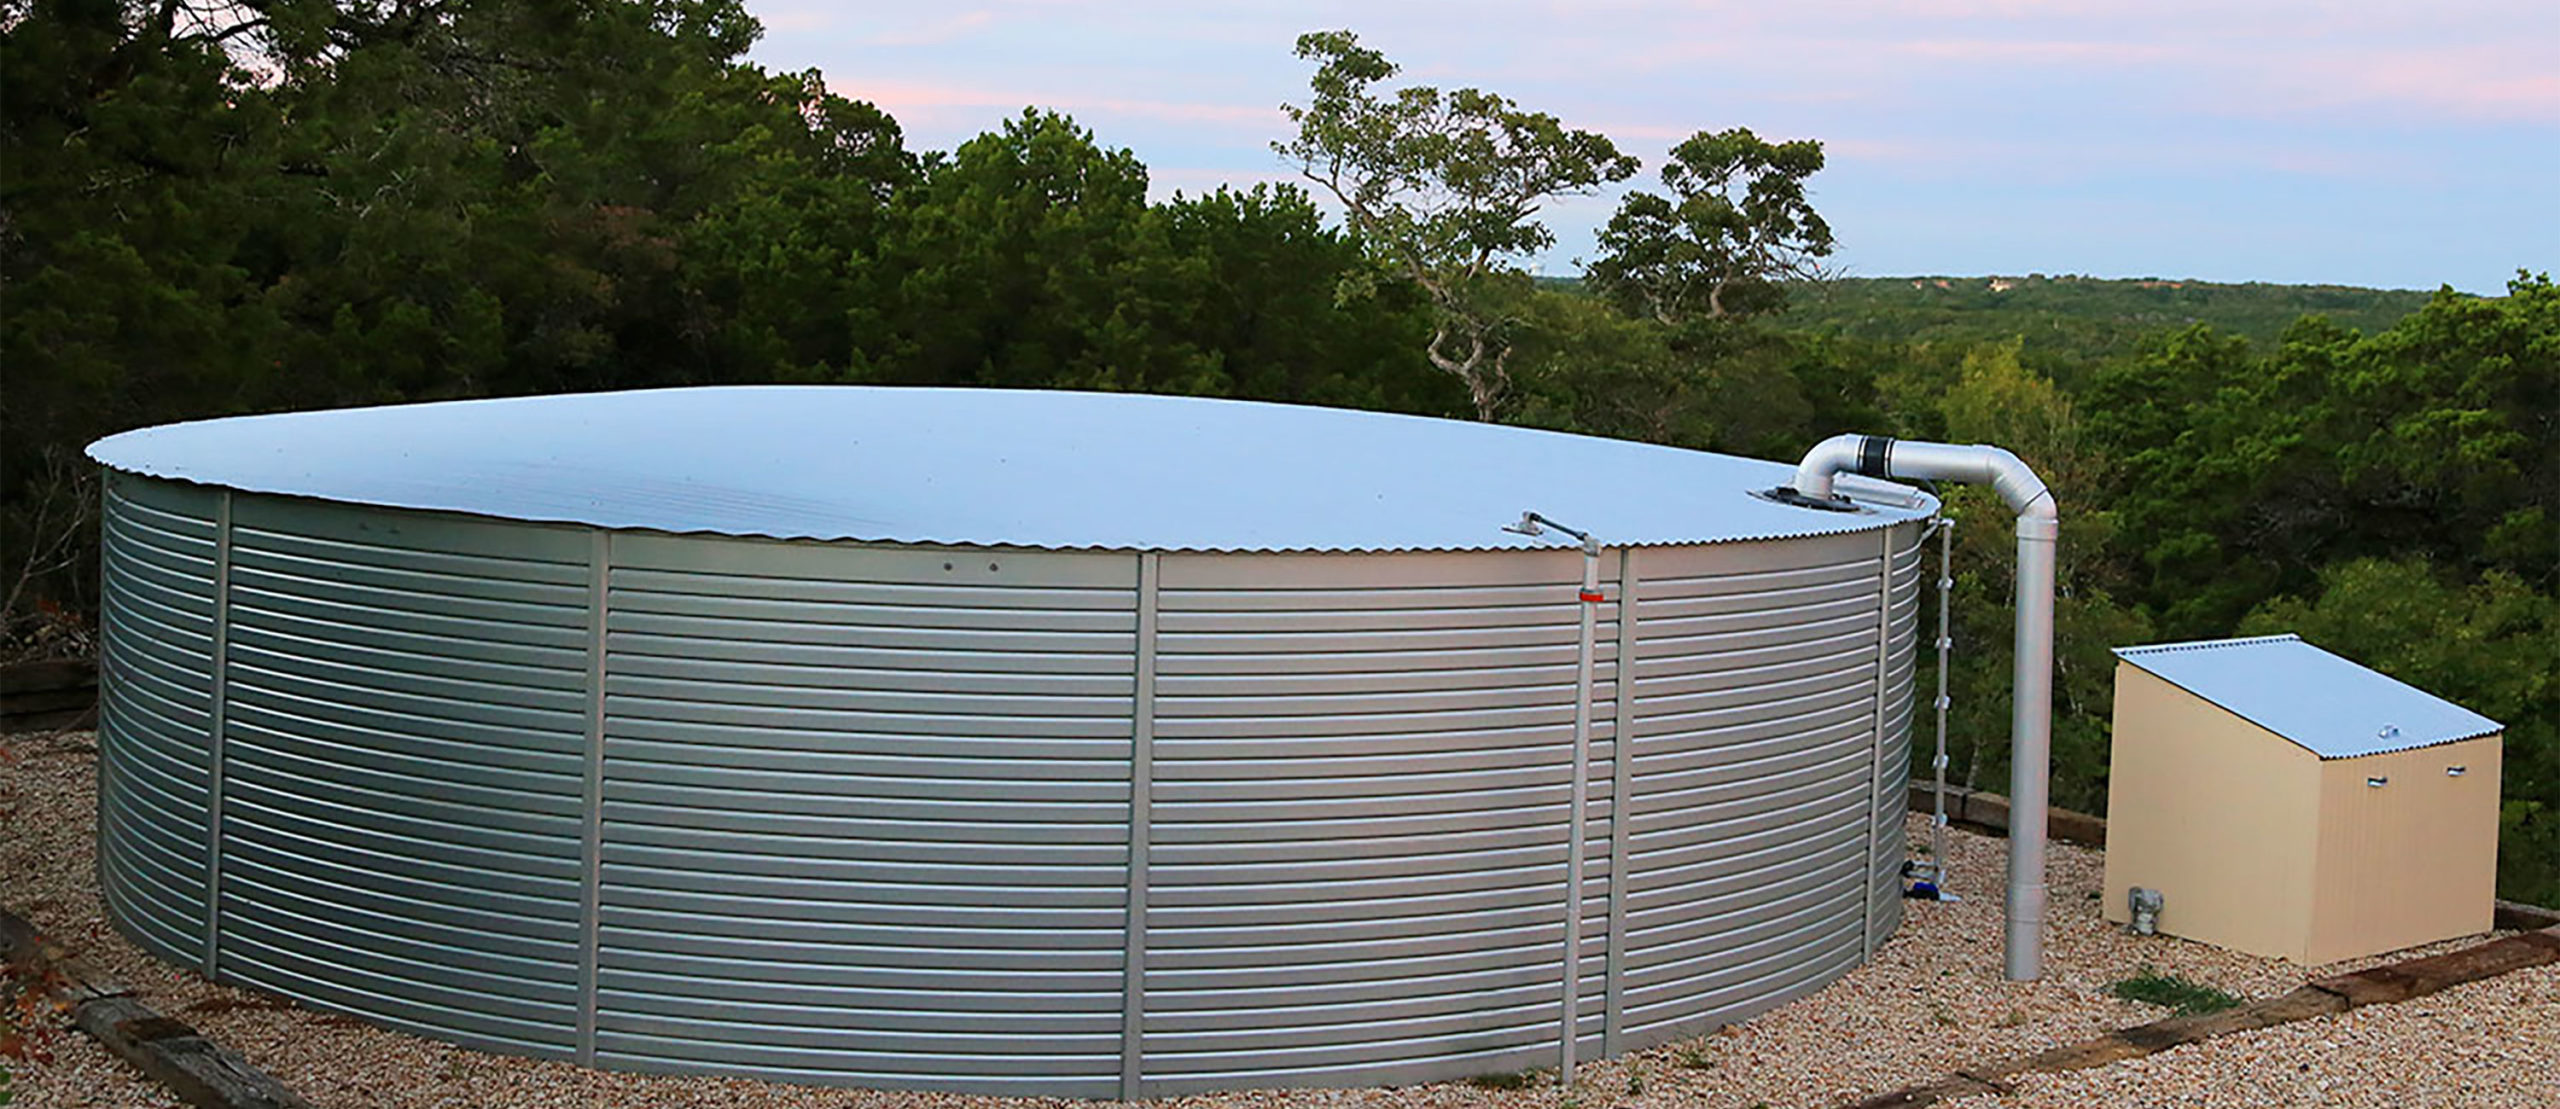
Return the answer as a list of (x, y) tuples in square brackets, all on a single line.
[(2285, 801)]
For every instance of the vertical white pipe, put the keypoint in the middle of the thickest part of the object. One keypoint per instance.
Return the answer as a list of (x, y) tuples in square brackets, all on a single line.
[(1621, 787), (591, 829), (2031, 697), (2031, 743), (1569, 1022), (1868, 941)]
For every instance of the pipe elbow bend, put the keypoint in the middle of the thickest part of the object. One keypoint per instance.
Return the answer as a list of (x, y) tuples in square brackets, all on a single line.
[(1879, 456), (1827, 459), (2018, 485)]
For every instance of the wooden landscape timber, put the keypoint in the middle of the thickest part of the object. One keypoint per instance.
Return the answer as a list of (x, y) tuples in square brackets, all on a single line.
[(199, 1071), (47, 694), (1988, 812)]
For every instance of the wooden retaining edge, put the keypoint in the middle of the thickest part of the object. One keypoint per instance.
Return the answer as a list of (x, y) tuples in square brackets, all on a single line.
[(48, 694), (2520, 917), (199, 1071), (2381, 985), (1989, 812)]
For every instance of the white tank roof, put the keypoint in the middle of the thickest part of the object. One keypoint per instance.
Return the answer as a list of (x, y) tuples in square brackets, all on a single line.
[(996, 468)]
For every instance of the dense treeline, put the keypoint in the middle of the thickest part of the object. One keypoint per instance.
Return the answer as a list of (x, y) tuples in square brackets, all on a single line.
[(2074, 318), (275, 204)]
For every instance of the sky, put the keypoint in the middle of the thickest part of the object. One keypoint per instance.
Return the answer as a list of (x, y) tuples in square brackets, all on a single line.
[(2398, 145)]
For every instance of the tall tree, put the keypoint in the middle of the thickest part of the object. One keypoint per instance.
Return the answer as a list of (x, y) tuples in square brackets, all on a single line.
[(1030, 259), (1267, 306), (1444, 188), (2486, 644), (1737, 223), (218, 206)]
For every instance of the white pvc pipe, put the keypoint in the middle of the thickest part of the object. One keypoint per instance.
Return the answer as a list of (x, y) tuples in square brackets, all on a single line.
[(2031, 696), (1570, 1033), (1568, 1017)]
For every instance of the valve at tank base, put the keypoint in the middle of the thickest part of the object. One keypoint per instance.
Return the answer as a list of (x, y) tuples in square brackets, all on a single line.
[(2146, 904)]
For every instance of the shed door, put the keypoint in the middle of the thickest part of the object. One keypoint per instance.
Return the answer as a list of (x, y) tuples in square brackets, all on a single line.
[(2411, 860)]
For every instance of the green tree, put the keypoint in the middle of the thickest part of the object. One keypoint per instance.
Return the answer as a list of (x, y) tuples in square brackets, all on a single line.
[(135, 163), (2485, 644), (781, 277), (209, 209), (2216, 479), (2448, 431), (2073, 323), (1443, 187), (1584, 368), (1030, 258), (1990, 396), (1269, 308), (499, 197), (1736, 227), (2248, 473), (1731, 387)]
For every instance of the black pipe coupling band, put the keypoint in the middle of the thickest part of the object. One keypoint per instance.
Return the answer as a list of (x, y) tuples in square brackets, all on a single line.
[(1874, 451)]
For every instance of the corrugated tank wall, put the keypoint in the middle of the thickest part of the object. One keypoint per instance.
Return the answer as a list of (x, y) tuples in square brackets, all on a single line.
[(1080, 824), (866, 814), (403, 769), (1756, 783), (1893, 755), (1359, 817), (155, 710)]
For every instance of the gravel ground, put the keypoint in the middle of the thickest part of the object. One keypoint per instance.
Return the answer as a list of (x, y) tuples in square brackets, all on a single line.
[(63, 1067), (1932, 1001), (2487, 1043)]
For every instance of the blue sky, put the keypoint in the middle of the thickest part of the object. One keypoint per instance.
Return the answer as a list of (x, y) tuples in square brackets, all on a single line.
[(2400, 145)]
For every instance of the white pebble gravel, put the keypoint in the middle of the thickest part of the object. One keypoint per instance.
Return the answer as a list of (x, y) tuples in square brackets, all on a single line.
[(2491, 1043), (1932, 1001)]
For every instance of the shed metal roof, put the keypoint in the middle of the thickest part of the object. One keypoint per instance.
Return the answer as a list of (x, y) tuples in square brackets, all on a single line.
[(2328, 705), (995, 468)]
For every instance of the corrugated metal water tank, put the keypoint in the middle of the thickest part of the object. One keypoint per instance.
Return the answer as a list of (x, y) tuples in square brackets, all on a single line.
[(1003, 742)]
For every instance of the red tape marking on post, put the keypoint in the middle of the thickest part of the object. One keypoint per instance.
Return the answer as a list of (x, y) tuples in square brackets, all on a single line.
[(1592, 598)]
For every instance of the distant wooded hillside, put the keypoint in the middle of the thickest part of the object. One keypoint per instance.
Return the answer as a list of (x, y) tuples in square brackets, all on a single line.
[(2082, 316), (2069, 316)]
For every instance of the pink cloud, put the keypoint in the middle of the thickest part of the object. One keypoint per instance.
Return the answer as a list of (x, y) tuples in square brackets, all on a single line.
[(2052, 159), (934, 33), (2484, 83), (897, 96), (2041, 52)]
